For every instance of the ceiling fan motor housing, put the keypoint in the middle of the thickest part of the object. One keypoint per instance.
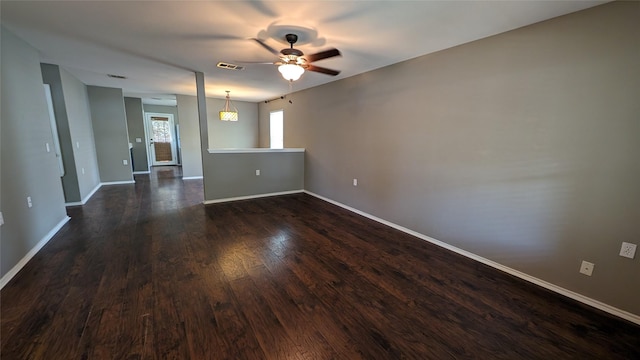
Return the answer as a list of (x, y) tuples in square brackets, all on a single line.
[(291, 51)]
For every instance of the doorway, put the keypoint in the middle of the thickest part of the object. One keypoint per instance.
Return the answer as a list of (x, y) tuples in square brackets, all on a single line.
[(161, 139), (54, 129)]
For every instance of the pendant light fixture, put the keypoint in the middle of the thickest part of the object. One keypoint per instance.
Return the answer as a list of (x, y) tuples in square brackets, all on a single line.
[(229, 113)]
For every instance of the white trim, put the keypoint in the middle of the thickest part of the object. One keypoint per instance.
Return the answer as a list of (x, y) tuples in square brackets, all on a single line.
[(14, 271), (206, 202), (84, 201), (141, 172), (74, 203), (54, 129), (192, 177), (547, 285), (254, 150), (117, 182), (86, 198)]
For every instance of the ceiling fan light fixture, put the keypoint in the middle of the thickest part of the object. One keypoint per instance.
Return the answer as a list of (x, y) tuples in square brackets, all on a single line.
[(291, 72), (229, 113)]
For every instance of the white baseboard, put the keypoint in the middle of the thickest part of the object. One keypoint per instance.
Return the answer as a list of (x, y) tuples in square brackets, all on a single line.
[(86, 198), (192, 178), (206, 202), (141, 172), (547, 285), (14, 271), (118, 182)]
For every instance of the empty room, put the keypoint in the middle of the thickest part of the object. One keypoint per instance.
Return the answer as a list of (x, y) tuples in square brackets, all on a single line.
[(319, 179)]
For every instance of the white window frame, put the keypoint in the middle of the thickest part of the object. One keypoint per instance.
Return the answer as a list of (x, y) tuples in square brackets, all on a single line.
[(276, 129)]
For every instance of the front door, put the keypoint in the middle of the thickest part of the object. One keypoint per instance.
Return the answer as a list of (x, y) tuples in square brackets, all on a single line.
[(162, 142)]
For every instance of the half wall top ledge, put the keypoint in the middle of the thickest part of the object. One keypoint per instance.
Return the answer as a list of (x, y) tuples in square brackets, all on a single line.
[(255, 150)]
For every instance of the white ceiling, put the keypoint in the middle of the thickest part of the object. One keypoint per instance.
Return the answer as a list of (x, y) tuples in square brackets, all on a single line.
[(158, 44)]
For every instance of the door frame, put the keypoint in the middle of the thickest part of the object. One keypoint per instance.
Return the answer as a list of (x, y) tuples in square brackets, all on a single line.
[(54, 130), (150, 148)]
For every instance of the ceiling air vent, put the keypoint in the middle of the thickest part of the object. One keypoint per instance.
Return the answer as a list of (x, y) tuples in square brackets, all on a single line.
[(229, 66), (116, 76)]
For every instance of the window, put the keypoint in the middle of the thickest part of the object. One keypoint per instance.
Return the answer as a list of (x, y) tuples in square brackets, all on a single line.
[(276, 119)]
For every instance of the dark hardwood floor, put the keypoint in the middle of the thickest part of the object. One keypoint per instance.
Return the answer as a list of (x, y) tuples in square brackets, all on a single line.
[(146, 271)]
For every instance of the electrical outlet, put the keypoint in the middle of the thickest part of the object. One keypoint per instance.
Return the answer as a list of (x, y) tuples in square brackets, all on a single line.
[(257, 172), (587, 268), (29, 202), (628, 250), (355, 182)]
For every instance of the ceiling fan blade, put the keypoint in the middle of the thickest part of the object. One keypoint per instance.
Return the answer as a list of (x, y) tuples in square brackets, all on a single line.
[(322, 70), (264, 45), (322, 55)]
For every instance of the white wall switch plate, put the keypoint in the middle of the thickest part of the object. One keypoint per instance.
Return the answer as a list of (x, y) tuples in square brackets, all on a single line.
[(125, 162), (29, 202), (355, 182), (77, 144), (257, 172), (628, 250), (47, 146), (1, 219), (138, 140), (82, 171), (587, 268)]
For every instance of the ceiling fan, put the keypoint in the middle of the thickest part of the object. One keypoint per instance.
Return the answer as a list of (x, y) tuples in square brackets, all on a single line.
[(292, 62)]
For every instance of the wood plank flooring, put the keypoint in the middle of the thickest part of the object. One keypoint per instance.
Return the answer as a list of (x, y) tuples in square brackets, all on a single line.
[(146, 271)]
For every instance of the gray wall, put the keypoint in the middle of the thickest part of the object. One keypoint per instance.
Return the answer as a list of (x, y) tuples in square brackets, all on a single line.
[(27, 169), (75, 131), (234, 174), (51, 76), (81, 128), (135, 127), (191, 154), (232, 134), (521, 148), (110, 133), (1, 116), (222, 134)]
